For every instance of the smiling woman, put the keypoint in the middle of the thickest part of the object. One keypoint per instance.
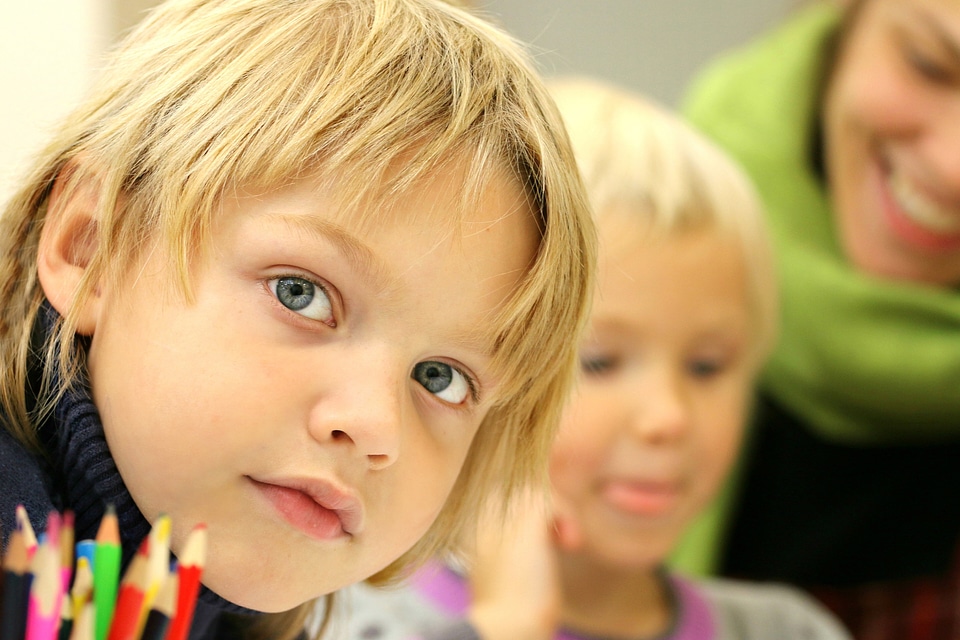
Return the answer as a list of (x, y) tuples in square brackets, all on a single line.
[(848, 120)]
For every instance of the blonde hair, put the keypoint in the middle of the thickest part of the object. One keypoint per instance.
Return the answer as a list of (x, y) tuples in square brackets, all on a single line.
[(209, 95), (638, 158)]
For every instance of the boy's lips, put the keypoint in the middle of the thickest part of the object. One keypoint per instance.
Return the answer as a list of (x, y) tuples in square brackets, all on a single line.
[(318, 508)]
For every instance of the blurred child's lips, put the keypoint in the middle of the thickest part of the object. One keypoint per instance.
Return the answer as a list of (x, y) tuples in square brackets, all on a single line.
[(640, 497), (319, 509)]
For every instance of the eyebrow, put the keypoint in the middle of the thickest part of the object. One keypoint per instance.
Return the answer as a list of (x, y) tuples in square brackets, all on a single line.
[(359, 255)]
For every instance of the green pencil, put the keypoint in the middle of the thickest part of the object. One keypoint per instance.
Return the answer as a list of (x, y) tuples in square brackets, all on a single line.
[(106, 574)]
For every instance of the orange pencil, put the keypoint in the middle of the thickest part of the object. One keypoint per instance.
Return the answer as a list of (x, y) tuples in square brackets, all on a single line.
[(126, 615), (29, 537), (189, 570)]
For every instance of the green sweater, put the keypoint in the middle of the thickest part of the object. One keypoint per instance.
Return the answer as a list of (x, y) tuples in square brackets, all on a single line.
[(860, 359)]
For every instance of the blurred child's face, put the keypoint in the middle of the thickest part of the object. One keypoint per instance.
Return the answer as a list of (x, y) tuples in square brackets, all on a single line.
[(664, 390), (314, 404), (892, 124)]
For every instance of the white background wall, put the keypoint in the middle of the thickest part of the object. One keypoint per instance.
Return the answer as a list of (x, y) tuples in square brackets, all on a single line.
[(50, 49), (652, 46)]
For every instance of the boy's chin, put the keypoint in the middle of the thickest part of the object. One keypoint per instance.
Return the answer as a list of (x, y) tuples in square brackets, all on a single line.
[(257, 590)]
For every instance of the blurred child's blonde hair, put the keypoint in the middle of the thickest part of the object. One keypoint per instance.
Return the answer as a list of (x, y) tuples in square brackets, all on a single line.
[(207, 96), (639, 159)]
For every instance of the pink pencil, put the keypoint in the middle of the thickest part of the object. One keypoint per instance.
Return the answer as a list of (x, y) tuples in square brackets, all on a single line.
[(46, 591)]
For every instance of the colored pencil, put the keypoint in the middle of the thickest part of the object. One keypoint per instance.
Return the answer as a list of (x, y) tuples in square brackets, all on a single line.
[(83, 625), (66, 620), (126, 615), (154, 601), (106, 572), (66, 550), (16, 588), (189, 570), (29, 537), (46, 589), (82, 587), (163, 609), (158, 550), (86, 549)]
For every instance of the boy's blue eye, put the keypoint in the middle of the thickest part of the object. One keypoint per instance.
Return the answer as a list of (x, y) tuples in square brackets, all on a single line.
[(442, 380), (303, 297)]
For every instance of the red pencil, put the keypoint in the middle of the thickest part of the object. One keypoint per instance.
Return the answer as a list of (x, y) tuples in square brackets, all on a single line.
[(126, 614), (189, 570)]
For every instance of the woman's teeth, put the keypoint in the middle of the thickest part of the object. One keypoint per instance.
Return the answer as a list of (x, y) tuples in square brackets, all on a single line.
[(920, 209)]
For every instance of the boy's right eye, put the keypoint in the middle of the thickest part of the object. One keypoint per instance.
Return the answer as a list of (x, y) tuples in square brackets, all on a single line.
[(303, 297)]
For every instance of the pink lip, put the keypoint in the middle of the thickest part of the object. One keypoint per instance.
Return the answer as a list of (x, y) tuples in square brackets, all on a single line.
[(905, 228), (320, 509), (640, 497)]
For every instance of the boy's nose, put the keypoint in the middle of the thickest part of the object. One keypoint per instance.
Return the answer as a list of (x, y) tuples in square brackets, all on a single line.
[(364, 413)]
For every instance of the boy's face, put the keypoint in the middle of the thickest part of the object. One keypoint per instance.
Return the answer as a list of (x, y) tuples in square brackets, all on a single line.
[(314, 404), (665, 382)]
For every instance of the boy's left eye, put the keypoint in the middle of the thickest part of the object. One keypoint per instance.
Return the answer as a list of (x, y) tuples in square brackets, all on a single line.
[(442, 380), (303, 297)]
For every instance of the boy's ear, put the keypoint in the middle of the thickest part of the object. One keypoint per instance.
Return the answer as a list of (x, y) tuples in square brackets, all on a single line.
[(68, 242)]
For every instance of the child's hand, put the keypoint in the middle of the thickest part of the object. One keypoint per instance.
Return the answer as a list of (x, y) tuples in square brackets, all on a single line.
[(515, 579)]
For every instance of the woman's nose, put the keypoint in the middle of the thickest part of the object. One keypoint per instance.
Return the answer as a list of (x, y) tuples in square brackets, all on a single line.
[(942, 152)]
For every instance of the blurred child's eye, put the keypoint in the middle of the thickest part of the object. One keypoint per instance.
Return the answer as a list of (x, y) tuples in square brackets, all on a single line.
[(927, 66), (442, 380), (303, 297), (595, 366), (705, 368)]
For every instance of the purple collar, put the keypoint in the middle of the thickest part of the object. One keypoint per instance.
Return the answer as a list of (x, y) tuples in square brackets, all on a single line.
[(449, 592)]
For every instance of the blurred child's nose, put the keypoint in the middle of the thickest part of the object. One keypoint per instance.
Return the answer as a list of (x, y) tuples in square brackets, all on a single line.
[(661, 412), (363, 409)]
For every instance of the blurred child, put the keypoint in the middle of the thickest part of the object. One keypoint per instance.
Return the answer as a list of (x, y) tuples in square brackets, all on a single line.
[(306, 272), (684, 315)]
